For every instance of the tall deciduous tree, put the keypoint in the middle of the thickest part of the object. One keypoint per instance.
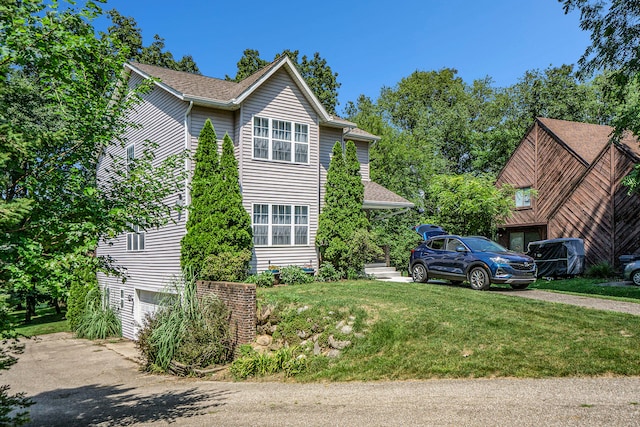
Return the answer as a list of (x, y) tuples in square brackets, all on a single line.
[(125, 30), (615, 49), (63, 100)]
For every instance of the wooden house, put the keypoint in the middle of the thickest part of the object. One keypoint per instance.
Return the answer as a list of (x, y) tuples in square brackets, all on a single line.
[(568, 177)]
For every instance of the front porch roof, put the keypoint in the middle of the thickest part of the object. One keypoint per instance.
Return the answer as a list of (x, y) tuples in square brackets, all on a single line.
[(378, 197)]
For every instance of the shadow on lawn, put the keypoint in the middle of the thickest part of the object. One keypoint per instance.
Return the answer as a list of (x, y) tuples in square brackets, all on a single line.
[(118, 405)]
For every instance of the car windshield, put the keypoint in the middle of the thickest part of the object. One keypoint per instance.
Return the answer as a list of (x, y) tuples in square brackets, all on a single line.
[(477, 244)]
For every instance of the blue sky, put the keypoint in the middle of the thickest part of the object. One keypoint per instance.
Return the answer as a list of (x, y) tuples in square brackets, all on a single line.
[(370, 44)]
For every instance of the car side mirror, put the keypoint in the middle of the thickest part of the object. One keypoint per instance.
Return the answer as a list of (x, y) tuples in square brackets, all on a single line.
[(461, 249)]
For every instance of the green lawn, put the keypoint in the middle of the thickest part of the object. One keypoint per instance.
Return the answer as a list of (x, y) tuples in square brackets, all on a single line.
[(591, 287), (420, 331), (45, 322)]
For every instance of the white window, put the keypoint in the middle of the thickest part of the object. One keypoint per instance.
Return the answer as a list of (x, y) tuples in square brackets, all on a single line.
[(131, 155), (523, 197), (280, 140), (280, 225), (135, 239)]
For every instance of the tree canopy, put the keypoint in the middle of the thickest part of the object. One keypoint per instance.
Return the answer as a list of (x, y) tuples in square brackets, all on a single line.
[(615, 52), (57, 116), (125, 31)]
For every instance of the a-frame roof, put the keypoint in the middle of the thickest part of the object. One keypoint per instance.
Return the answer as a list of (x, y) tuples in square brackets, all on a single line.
[(209, 91), (586, 140)]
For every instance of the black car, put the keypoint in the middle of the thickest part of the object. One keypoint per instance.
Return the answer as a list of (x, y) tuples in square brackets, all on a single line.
[(478, 260)]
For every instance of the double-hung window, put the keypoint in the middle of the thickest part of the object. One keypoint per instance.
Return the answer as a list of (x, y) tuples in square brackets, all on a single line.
[(280, 225), (131, 156), (280, 140), (523, 197), (135, 239)]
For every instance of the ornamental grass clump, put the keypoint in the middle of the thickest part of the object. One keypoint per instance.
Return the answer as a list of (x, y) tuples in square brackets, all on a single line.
[(188, 330), (98, 320)]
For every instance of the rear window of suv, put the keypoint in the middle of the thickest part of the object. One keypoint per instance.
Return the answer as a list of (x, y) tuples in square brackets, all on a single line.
[(437, 244)]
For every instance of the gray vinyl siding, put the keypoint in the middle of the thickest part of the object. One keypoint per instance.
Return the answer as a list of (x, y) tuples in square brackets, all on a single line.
[(362, 150), (269, 182), (328, 138), (161, 117)]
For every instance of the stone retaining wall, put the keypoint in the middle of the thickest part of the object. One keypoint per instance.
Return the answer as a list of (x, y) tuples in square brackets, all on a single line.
[(240, 298)]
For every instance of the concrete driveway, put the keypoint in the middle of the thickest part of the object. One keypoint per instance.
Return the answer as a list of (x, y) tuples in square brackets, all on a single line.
[(77, 382)]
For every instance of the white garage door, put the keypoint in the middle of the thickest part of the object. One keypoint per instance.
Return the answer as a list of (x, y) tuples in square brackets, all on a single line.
[(148, 303)]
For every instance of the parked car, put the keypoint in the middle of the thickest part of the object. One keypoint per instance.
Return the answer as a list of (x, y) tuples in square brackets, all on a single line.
[(478, 260), (632, 272)]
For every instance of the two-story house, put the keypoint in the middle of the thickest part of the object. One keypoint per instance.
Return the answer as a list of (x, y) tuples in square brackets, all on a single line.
[(568, 177), (283, 138)]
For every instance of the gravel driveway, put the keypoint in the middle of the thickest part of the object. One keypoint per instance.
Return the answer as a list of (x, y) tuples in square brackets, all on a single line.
[(77, 382)]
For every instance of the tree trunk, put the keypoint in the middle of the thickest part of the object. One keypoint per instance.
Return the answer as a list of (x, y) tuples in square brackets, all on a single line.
[(30, 309)]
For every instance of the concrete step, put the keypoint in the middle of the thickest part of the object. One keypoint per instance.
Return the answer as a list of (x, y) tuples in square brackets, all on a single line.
[(381, 271)]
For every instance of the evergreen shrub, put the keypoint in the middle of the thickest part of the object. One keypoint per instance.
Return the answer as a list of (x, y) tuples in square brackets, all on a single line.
[(294, 275)]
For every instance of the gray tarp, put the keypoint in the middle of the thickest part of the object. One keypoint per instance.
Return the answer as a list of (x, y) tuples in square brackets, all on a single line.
[(558, 257)]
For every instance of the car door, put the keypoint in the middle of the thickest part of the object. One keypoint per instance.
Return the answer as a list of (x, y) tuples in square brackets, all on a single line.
[(454, 260), (435, 260)]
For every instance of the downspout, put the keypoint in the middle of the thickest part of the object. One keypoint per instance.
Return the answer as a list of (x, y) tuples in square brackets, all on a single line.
[(187, 161)]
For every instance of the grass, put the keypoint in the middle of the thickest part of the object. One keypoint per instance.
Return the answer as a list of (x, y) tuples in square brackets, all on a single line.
[(420, 331), (590, 287), (47, 321)]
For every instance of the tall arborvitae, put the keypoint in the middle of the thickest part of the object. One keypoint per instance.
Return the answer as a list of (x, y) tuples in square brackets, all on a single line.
[(236, 221), (204, 201), (355, 187)]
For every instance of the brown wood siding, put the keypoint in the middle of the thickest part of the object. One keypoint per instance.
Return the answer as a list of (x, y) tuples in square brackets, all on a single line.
[(627, 209), (586, 213), (558, 172), (520, 172)]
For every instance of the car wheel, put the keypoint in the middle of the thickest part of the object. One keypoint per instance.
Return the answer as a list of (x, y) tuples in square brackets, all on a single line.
[(419, 273), (479, 279), (519, 285), (635, 277)]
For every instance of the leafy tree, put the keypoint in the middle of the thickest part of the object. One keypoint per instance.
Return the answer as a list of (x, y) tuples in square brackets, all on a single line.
[(322, 81), (464, 204), (218, 228), (125, 31), (615, 49), (342, 223), (57, 115)]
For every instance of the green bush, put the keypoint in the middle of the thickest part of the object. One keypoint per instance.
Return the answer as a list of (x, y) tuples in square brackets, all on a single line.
[(328, 273), (251, 363), (601, 270), (99, 320), (227, 266), (294, 275), (264, 279), (84, 282), (187, 330)]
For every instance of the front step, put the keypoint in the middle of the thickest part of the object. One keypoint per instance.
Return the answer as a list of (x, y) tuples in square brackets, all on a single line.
[(381, 271)]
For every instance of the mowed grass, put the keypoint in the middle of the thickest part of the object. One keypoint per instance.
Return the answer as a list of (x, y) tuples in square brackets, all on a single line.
[(604, 288), (47, 321), (421, 331)]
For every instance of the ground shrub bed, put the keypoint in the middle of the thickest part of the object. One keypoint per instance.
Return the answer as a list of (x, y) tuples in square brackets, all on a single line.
[(405, 331)]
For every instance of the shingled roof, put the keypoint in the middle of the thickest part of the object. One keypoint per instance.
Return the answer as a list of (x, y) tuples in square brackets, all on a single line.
[(228, 94), (587, 140), (378, 197)]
